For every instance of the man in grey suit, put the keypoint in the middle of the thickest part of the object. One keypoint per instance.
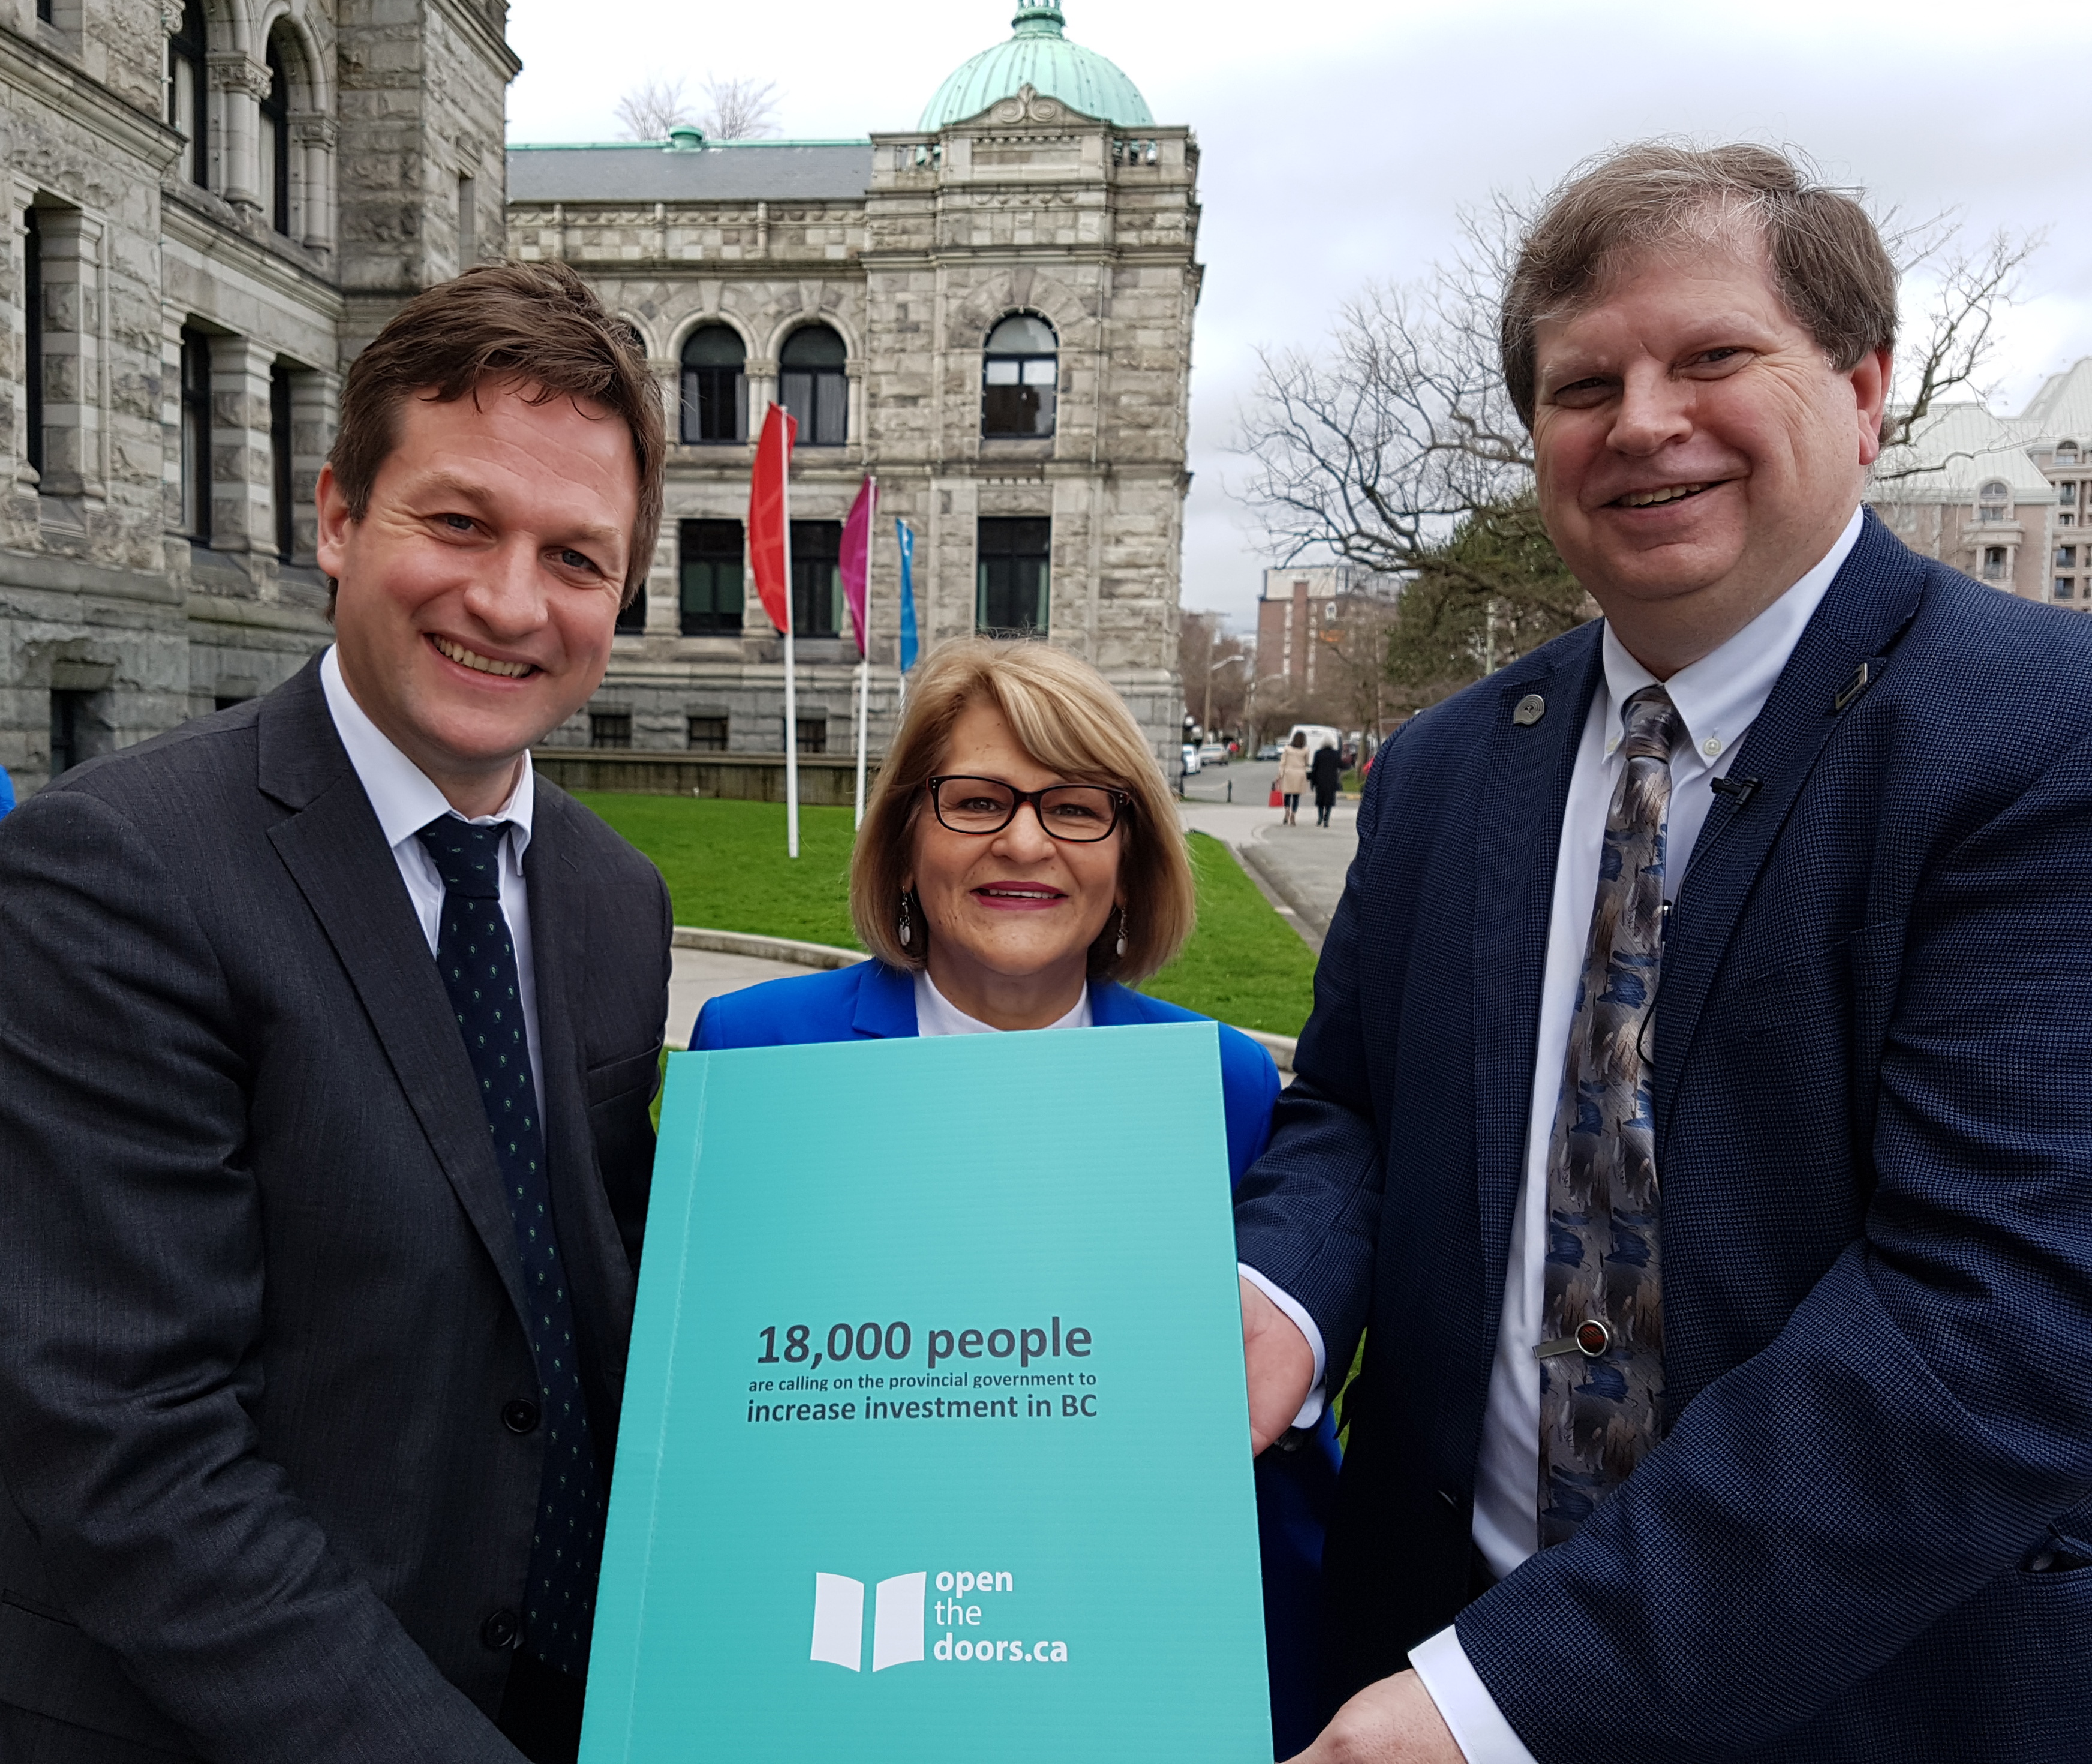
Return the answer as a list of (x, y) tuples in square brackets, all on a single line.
[(313, 1321)]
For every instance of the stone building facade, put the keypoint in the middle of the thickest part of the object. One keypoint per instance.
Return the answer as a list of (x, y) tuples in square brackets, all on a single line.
[(990, 313), (210, 206), (2005, 499)]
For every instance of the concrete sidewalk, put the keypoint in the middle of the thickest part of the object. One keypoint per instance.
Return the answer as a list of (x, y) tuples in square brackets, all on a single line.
[(1300, 868), (697, 975)]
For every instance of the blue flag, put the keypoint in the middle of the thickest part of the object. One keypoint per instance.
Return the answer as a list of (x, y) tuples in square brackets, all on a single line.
[(907, 593)]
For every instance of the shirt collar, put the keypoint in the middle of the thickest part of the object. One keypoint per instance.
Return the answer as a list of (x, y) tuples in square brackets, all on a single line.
[(1720, 695), (937, 1015), (402, 795)]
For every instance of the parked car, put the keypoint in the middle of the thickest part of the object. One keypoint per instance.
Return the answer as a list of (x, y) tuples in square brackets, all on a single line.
[(1190, 759), (1213, 753), (1269, 750)]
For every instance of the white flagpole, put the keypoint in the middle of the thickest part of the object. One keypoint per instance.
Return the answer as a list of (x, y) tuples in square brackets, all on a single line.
[(791, 680), (864, 661)]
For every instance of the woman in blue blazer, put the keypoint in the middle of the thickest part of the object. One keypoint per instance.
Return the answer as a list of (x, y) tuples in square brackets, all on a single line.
[(1020, 858)]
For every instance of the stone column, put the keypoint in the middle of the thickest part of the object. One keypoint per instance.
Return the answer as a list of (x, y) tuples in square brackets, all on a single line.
[(72, 352), (238, 84), (14, 468), (242, 504), (762, 373), (315, 400), (313, 141), (664, 584)]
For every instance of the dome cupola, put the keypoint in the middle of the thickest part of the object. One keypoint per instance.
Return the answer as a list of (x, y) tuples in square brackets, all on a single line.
[(1038, 54)]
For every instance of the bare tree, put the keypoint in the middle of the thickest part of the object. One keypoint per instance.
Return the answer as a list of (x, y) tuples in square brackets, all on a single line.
[(648, 111), (1215, 666), (742, 110), (1974, 288), (1371, 452)]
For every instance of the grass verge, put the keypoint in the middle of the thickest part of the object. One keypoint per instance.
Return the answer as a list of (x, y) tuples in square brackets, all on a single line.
[(1244, 964), (725, 866)]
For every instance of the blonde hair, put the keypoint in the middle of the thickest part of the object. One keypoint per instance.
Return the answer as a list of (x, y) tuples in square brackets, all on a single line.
[(1068, 720)]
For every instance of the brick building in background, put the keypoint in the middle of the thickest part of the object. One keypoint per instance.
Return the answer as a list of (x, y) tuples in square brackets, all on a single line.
[(1303, 615)]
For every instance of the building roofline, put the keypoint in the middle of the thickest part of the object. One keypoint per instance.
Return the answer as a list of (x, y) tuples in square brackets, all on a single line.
[(664, 147)]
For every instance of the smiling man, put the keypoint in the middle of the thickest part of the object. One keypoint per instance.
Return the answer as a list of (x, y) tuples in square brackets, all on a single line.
[(1690, 1120), (327, 1036)]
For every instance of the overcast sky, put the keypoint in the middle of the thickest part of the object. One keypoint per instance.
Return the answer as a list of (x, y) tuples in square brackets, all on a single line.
[(1340, 139)]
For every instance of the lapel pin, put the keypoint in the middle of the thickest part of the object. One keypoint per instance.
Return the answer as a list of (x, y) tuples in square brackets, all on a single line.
[(1853, 688), (1531, 708)]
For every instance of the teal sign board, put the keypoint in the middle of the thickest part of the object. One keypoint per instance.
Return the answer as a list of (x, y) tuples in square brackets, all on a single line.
[(935, 1443)]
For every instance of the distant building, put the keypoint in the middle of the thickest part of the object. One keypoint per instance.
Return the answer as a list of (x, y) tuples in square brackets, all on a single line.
[(2002, 498), (210, 207), (1301, 613), (991, 312)]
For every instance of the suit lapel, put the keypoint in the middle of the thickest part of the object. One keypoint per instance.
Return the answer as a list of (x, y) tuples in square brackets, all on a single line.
[(1867, 608), (1522, 788), (885, 1002), (337, 855), (587, 1230)]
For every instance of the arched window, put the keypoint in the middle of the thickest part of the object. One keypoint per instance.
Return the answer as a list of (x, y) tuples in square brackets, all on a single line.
[(812, 387), (1020, 369), (1994, 501), (2066, 453), (275, 154), (188, 91), (715, 386)]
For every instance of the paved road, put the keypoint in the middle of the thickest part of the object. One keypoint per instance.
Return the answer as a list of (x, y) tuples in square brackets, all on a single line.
[(1300, 868)]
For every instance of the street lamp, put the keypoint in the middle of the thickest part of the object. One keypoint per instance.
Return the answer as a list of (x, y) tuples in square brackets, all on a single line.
[(1212, 669)]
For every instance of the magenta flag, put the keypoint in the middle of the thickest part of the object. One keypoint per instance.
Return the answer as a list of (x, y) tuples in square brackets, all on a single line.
[(856, 558)]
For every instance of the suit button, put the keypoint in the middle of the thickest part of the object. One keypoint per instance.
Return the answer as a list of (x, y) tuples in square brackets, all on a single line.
[(519, 1416), (500, 1630)]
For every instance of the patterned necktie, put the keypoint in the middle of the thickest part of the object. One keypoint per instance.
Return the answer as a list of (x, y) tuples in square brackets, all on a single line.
[(477, 960), (1602, 1367)]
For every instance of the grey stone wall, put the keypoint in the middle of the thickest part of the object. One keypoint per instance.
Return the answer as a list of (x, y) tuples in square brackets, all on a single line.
[(102, 595), (1028, 208)]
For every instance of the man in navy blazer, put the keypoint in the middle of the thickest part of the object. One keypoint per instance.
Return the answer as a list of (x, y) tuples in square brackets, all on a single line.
[(1860, 1525)]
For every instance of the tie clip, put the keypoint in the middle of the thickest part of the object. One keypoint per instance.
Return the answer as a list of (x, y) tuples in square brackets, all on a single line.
[(1591, 1340)]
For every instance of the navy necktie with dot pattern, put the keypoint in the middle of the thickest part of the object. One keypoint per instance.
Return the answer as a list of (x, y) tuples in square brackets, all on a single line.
[(477, 957), (1601, 1370)]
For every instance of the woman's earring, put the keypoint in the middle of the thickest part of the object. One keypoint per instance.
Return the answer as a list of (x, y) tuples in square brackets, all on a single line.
[(907, 929), (1121, 931)]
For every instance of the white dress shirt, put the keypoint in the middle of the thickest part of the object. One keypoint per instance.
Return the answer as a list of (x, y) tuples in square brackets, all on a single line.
[(1717, 699), (937, 1015), (404, 802)]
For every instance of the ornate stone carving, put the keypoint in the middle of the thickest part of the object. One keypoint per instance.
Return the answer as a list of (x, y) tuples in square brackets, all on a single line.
[(1028, 106), (233, 70)]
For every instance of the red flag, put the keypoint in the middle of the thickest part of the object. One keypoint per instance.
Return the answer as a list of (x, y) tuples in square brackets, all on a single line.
[(856, 557), (769, 552)]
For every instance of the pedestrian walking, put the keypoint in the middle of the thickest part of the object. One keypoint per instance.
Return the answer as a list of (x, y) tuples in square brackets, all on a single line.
[(1326, 773), (1293, 774)]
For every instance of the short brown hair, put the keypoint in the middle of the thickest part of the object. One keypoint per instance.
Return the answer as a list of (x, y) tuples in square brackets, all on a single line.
[(523, 324), (1068, 720), (1826, 254)]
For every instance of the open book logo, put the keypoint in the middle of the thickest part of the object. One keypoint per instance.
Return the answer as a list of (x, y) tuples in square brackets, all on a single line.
[(896, 1623)]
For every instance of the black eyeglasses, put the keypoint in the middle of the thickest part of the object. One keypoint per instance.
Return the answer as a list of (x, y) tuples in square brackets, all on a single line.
[(1080, 814)]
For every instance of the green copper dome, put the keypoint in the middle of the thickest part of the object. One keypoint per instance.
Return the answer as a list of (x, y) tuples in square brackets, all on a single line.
[(1039, 56)]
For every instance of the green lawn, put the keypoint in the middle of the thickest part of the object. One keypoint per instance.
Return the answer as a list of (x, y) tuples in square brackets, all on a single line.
[(725, 866), (1244, 964)]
